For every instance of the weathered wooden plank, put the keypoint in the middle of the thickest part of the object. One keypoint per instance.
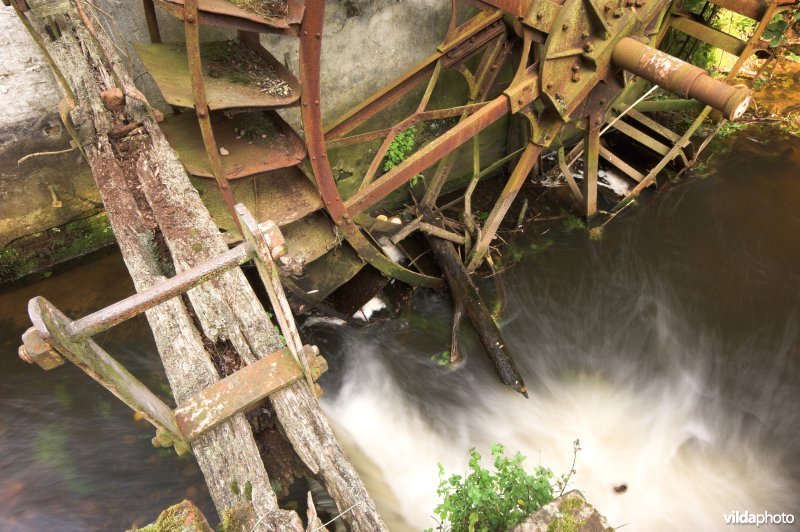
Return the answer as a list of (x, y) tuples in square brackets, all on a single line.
[(242, 390)]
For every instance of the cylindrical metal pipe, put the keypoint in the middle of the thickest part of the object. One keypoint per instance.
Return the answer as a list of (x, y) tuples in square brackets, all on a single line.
[(134, 305), (680, 77)]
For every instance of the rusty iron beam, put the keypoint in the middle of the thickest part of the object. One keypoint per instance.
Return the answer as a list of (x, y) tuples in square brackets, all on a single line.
[(753, 9), (152, 21), (51, 324), (507, 196), (591, 154), (427, 156), (680, 77), (192, 30), (310, 109), (425, 116), (244, 389), (464, 44), (134, 305)]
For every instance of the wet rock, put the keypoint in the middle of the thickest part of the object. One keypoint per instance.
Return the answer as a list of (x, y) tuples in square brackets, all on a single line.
[(568, 513), (183, 517)]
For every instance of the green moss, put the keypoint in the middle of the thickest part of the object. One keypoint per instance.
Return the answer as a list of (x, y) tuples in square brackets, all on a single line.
[(235, 487), (182, 517), (567, 521), (235, 519), (572, 223), (39, 251), (248, 491)]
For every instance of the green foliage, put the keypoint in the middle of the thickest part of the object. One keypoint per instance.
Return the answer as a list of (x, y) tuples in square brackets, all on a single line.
[(441, 359), (401, 147), (484, 500), (573, 223)]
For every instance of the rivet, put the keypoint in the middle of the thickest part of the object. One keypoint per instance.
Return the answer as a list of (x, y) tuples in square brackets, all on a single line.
[(319, 35), (585, 34), (549, 85), (201, 113), (576, 77), (564, 27), (588, 47), (575, 68), (189, 18), (539, 16), (618, 12)]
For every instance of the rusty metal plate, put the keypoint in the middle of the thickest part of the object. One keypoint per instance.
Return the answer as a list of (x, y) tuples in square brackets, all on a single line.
[(230, 13), (323, 276), (308, 239), (285, 196), (168, 64), (268, 143), (242, 390)]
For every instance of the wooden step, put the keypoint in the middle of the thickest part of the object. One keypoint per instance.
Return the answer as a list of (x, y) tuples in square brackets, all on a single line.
[(268, 143), (641, 137), (724, 41), (236, 75), (236, 15)]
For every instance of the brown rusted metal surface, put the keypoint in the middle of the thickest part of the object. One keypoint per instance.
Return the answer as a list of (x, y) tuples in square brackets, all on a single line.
[(36, 350), (136, 304), (203, 112), (680, 77), (223, 13), (152, 21), (506, 198), (244, 389), (464, 44), (51, 324), (427, 156), (168, 64), (269, 145), (310, 55)]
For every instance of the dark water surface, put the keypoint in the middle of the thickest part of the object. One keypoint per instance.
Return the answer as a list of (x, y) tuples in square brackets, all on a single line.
[(670, 347)]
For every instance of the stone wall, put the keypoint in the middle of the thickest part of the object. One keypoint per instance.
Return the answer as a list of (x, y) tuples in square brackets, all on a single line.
[(367, 43)]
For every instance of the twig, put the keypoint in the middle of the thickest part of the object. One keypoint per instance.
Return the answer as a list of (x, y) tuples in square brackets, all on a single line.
[(40, 153), (338, 516)]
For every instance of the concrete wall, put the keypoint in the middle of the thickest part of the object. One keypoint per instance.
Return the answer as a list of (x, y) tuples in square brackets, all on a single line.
[(366, 44)]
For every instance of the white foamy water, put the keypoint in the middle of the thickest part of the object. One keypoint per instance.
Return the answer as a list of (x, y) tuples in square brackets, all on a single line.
[(681, 473)]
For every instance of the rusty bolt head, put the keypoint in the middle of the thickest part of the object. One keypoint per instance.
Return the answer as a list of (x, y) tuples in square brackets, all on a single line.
[(639, 3), (201, 113), (588, 48), (618, 12), (539, 16), (585, 34), (576, 77), (272, 235), (549, 85), (35, 349), (565, 27), (576, 68), (189, 18)]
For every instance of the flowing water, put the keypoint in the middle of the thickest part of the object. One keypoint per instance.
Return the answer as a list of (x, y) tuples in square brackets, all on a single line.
[(670, 348)]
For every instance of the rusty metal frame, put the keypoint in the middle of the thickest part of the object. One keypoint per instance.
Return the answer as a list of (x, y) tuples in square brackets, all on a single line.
[(54, 336), (192, 30)]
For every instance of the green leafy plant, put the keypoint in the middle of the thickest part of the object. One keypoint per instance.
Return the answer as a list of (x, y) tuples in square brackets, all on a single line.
[(401, 147), (486, 500)]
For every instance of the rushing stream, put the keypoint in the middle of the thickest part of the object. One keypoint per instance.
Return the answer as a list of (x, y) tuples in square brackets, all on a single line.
[(670, 347)]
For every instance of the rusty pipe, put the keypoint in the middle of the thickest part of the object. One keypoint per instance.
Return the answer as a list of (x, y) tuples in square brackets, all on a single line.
[(680, 77)]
